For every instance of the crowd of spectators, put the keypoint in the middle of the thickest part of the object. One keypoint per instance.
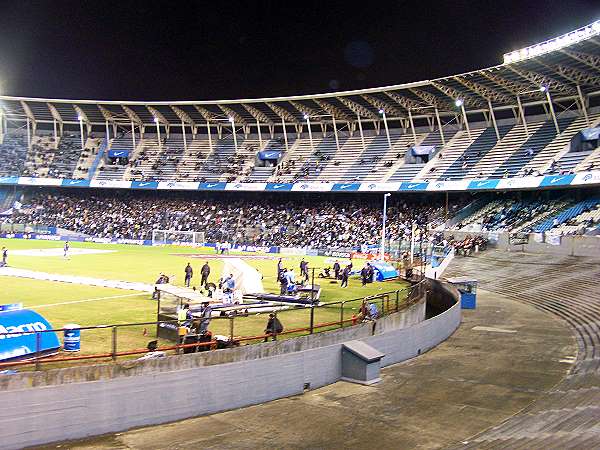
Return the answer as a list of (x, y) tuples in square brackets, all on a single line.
[(314, 222)]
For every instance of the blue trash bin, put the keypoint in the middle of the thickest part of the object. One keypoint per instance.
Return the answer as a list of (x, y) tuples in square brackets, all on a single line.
[(468, 291), (72, 338)]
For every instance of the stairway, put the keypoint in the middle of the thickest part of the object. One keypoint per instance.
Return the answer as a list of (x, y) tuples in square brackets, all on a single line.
[(568, 416)]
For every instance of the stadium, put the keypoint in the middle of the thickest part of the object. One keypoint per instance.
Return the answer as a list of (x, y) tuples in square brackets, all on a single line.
[(417, 260)]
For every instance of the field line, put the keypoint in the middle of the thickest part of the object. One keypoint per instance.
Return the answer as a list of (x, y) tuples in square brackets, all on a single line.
[(86, 300)]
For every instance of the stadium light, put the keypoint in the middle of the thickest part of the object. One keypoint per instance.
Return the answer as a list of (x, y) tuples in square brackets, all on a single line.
[(230, 119), (543, 88), (459, 102), (381, 111), (79, 118), (554, 44), (382, 253), (156, 120), (305, 116)]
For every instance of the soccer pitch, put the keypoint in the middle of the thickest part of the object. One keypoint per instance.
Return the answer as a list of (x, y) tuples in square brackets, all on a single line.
[(64, 303)]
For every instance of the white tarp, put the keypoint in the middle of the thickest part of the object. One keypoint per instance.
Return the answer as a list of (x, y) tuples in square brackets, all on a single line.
[(248, 280)]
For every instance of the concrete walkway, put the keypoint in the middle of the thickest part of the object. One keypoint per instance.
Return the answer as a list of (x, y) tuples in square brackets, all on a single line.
[(504, 356)]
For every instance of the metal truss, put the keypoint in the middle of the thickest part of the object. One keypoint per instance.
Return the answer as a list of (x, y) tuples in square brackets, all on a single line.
[(258, 114), (231, 114), (183, 116), (514, 87), (358, 109), (577, 76), (158, 116), (390, 110), (539, 80), (336, 112), (133, 117), (304, 109), (484, 91), (431, 100), (592, 61), (455, 94), (205, 113), (405, 102), (283, 113)]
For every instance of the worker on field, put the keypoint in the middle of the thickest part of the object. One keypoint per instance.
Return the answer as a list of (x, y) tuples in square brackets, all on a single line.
[(4, 257), (189, 273), (204, 272)]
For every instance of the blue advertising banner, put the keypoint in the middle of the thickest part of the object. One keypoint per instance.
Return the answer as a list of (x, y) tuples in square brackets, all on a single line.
[(279, 186), (118, 153), (269, 155), (76, 183), (214, 186), (418, 186), (9, 180), (482, 184), (557, 180), (144, 185), (345, 187), (23, 343)]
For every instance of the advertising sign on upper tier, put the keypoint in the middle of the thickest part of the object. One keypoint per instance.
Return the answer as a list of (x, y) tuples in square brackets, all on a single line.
[(313, 187), (282, 187), (245, 186), (379, 187), (451, 185), (483, 184), (33, 181), (413, 186), (518, 183), (212, 186), (9, 180), (586, 178), (556, 180), (144, 185), (117, 184), (345, 187), (178, 185), (76, 183)]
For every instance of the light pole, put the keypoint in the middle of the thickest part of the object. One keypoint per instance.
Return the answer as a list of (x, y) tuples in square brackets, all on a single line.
[(80, 119), (382, 255)]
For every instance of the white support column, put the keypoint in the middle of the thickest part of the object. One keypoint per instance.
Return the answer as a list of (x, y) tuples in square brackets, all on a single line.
[(81, 131), (335, 134), (184, 136), (464, 113), (133, 135), (412, 126), (1, 126), (310, 138), (28, 134), (232, 120), (158, 132), (259, 135), (360, 130), (583, 107), (522, 114), (107, 131), (387, 131), (55, 133), (493, 119), (552, 113), (209, 136), (439, 122), (284, 134)]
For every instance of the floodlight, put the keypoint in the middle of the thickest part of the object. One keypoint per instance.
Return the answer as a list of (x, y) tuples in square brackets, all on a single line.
[(543, 88), (459, 102), (231, 119), (306, 116), (156, 120), (381, 111), (79, 118)]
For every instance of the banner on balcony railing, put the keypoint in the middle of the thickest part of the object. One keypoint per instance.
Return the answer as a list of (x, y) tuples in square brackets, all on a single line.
[(483, 184)]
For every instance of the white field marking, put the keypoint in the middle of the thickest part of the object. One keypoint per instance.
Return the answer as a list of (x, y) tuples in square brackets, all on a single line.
[(57, 252), (493, 330), (84, 300)]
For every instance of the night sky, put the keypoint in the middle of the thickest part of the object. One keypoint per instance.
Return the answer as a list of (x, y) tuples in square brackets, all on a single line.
[(207, 50)]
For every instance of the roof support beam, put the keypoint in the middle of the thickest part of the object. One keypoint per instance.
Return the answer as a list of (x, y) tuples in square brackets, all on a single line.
[(29, 116), (540, 80), (56, 119), (82, 117), (455, 94), (388, 109), (484, 91), (591, 61), (514, 87), (358, 109), (185, 119), (158, 119), (577, 76), (335, 112)]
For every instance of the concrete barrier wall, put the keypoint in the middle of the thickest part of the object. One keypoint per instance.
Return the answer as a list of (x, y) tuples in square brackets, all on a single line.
[(66, 406)]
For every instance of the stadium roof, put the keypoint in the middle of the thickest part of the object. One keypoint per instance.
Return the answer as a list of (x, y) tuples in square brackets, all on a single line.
[(566, 68)]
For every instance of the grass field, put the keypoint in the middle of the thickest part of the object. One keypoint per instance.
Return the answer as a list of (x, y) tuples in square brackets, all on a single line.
[(63, 303)]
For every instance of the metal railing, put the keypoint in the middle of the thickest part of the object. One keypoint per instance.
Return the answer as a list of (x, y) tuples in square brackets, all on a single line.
[(303, 321)]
